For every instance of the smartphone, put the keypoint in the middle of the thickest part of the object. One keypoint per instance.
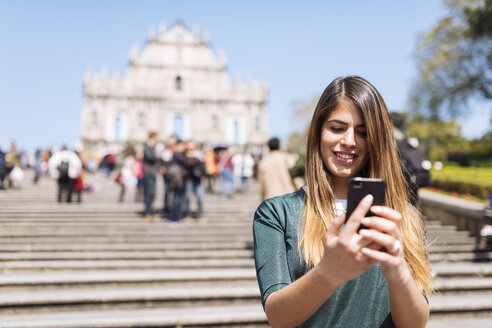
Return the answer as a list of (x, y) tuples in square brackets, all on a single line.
[(358, 188)]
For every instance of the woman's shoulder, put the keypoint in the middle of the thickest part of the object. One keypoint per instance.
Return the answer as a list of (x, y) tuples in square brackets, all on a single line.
[(281, 207)]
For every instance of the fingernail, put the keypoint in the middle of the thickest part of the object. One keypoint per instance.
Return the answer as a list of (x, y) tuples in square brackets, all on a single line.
[(366, 221), (368, 199), (364, 232), (365, 251), (376, 208)]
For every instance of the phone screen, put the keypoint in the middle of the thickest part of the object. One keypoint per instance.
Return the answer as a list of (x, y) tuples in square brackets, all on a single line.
[(360, 187)]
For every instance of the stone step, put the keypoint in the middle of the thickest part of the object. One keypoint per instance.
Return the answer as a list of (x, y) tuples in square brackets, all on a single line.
[(166, 293), (462, 269), (460, 257), (125, 276), (157, 231), (460, 303), (139, 228), (183, 244), (148, 255), (431, 235), (454, 241), (475, 320), (136, 294), (137, 223), (441, 228), (131, 239), (456, 248), (23, 266), (464, 284), (250, 315), (126, 247)]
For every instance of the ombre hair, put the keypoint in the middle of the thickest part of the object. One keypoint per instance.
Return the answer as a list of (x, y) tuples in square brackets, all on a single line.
[(383, 162)]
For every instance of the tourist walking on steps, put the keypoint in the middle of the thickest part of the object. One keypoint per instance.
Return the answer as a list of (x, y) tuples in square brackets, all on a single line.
[(150, 164), (314, 271), (79, 183), (126, 176), (12, 161), (64, 166), (212, 168), (226, 178), (166, 158), (177, 177), (273, 172), (138, 172), (243, 169), (196, 170), (416, 166), (2, 169)]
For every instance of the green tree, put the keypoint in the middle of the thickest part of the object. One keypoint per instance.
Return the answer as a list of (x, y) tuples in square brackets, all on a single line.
[(454, 61), (437, 138)]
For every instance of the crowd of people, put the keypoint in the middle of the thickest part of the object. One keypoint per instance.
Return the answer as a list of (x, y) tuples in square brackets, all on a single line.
[(64, 165), (184, 169)]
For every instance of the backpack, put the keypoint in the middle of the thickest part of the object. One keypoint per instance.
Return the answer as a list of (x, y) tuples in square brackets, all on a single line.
[(176, 176), (63, 170), (2, 162), (198, 170), (416, 165)]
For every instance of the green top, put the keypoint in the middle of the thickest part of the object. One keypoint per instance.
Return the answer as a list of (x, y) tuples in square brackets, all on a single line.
[(362, 302)]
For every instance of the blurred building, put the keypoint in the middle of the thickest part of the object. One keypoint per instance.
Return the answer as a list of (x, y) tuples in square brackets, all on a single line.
[(175, 85)]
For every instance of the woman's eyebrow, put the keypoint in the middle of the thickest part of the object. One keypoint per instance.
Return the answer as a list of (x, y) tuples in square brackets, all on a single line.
[(345, 123)]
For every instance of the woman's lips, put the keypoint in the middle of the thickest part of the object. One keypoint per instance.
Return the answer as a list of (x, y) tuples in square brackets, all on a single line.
[(345, 158)]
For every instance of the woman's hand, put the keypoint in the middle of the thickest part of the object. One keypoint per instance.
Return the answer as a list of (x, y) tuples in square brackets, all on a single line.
[(343, 260), (408, 306), (384, 230)]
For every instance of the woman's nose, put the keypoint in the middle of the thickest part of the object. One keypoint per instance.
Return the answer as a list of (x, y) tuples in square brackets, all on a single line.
[(348, 139)]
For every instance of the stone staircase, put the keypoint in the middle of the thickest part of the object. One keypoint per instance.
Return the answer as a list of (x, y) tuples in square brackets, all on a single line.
[(97, 264), (463, 279)]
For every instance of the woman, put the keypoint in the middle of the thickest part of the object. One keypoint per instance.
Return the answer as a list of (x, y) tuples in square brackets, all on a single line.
[(315, 272)]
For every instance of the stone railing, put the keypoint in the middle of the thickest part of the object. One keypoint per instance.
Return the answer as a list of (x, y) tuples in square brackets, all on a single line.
[(464, 214)]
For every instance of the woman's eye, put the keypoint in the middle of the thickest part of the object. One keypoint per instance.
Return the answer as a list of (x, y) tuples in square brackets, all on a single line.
[(337, 129), (362, 133)]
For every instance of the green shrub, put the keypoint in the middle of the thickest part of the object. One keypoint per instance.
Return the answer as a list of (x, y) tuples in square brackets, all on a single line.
[(463, 188), (475, 181)]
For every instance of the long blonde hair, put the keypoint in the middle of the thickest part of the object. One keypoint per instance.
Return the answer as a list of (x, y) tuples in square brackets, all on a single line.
[(383, 163)]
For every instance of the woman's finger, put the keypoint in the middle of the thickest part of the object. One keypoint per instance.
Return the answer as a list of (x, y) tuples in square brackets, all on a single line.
[(380, 256), (382, 239), (353, 222), (387, 212), (383, 225), (335, 227)]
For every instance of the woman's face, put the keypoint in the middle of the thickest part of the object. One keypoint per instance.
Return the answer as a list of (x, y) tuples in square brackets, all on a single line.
[(344, 142)]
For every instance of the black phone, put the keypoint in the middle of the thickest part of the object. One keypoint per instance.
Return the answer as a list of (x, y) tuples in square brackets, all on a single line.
[(358, 188)]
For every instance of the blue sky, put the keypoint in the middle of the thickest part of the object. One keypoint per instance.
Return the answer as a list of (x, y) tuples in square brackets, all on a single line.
[(298, 47)]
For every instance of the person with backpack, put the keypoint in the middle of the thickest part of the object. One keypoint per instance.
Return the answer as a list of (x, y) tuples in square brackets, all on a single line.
[(12, 160), (177, 176), (150, 167), (195, 167), (65, 166), (2, 169), (416, 166)]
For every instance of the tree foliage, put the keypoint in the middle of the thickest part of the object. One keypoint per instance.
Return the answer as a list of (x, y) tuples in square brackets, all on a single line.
[(454, 61), (437, 138)]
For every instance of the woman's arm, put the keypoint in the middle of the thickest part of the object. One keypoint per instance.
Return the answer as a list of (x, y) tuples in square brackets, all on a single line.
[(295, 303), (408, 305)]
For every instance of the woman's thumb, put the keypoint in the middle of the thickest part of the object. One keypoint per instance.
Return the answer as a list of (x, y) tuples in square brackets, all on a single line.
[(336, 224)]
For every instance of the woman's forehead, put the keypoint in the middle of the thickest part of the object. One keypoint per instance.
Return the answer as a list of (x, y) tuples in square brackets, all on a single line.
[(346, 112)]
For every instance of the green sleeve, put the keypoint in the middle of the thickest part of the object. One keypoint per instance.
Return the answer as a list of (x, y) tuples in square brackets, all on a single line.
[(272, 269)]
